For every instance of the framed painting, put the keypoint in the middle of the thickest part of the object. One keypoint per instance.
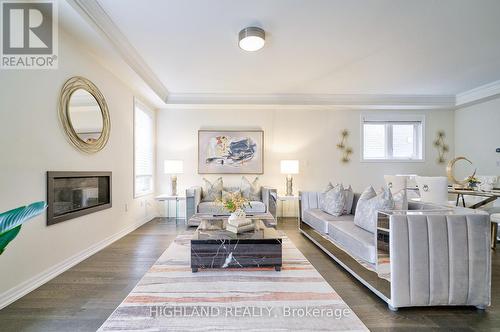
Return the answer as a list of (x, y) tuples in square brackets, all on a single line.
[(230, 151)]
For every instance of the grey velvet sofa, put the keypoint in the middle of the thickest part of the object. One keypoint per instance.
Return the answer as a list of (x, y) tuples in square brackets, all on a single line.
[(428, 255), (194, 203)]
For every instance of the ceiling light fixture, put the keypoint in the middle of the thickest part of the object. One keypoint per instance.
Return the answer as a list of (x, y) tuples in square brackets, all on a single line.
[(252, 39)]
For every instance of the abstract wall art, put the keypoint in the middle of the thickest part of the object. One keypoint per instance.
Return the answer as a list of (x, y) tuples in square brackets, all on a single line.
[(230, 151)]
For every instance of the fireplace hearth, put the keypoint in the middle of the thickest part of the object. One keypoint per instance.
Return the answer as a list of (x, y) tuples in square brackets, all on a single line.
[(75, 194)]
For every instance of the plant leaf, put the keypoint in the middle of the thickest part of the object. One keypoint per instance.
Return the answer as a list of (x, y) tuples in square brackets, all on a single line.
[(8, 236), (16, 217)]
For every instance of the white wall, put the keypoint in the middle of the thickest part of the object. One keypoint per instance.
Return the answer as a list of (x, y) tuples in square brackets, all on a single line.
[(308, 135), (32, 142), (477, 136)]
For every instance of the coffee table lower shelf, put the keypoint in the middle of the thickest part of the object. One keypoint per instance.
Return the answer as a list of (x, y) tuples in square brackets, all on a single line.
[(235, 253)]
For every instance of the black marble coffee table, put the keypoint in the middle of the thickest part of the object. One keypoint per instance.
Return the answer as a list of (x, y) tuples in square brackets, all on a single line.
[(213, 247)]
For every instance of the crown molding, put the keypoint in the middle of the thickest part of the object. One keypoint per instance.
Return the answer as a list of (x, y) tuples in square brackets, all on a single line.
[(315, 101), (479, 94), (96, 16)]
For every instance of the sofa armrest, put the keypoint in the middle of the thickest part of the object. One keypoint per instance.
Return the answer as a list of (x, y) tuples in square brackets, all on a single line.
[(270, 198), (440, 259), (193, 199), (308, 200)]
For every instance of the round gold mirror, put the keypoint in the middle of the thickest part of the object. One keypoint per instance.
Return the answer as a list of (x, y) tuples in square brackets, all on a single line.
[(462, 169), (84, 115)]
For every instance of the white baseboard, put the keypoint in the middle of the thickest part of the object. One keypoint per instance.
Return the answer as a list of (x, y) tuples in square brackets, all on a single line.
[(27, 286)]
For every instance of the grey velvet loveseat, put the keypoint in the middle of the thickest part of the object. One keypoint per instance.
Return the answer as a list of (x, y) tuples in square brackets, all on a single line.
[(194, 203)]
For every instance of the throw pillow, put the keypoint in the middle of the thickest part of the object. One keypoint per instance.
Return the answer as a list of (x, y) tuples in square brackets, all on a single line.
[(211, 191), (333, 201), (250, 190), (397, 185), (349, 197), (369, 204)]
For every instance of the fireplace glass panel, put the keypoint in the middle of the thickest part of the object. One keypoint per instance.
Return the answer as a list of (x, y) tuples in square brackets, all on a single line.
[(73, 194)]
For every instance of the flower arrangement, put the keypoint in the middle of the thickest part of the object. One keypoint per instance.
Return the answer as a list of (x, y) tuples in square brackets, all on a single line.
[(233, 202), (472, 181)]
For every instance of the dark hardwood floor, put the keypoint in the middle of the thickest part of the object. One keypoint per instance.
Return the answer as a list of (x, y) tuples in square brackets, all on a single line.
[(81, 298)]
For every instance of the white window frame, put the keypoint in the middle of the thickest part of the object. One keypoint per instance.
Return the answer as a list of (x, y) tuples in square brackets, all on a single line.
[(142, 106), (393, 118)]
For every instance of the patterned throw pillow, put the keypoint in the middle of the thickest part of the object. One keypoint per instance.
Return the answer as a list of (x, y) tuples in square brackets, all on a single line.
[(226, 192), (349, 197), (397, 185), (250, 190), (368, 206), (211, 191), (333, 201)]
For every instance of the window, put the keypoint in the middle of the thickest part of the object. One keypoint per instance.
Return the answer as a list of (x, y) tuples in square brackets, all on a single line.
[(143, 150), (392, 137)]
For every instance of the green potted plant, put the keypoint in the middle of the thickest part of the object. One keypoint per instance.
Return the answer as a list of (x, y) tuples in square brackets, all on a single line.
[(472, 182), (11, 221)]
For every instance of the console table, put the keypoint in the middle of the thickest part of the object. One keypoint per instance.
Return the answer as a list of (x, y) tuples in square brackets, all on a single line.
[(167, 199), (489, 196)]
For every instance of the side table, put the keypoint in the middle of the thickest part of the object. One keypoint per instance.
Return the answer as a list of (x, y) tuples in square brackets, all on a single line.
[(285, 198), (167, 199)]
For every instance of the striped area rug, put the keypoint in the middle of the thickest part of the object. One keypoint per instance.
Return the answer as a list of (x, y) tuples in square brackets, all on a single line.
[(172, 298)]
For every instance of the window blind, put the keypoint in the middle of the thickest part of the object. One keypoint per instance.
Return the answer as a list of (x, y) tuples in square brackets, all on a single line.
[(143, 150), (392, 137)]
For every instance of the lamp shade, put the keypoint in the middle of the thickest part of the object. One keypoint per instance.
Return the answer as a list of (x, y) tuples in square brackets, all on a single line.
[(289, 166), (173, 167)]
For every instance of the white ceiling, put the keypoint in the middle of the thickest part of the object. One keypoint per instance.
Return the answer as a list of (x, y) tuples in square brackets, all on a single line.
[(439, 47)]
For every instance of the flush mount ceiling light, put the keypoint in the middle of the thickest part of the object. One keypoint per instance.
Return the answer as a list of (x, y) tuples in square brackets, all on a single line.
[(252, 39)]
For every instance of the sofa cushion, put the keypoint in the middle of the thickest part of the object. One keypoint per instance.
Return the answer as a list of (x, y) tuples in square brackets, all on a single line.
[(354, 239), (214, 208), (318, 219)]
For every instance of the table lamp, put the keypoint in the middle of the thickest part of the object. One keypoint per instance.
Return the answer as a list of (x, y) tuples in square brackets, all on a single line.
[(173, 167), (289, 167)]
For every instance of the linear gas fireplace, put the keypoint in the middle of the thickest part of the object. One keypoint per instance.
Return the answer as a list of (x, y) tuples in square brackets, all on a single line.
[(74, 194)]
